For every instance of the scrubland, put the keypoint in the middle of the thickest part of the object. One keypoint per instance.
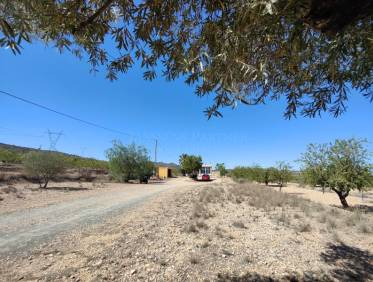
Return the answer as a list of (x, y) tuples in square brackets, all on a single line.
[(222, 231)]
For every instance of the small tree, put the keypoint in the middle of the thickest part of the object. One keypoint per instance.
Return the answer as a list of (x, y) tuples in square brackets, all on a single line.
[(221, 168), (282, 174), (348, 168), (128, 163), (190, 164), (315, 162), (43, 165), (269, 175), (342, 166), (146, 170)]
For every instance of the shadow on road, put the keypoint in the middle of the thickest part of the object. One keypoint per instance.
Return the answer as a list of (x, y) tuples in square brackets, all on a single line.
[(63, 189)]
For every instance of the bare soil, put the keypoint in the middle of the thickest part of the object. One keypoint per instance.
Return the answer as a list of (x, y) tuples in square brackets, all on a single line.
[(217, 231), (329, 197)]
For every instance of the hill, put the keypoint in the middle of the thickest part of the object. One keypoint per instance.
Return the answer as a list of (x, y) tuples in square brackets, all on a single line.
[(13, 154)]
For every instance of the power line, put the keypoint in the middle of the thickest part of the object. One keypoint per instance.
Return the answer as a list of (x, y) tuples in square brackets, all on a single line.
[(70, 116)]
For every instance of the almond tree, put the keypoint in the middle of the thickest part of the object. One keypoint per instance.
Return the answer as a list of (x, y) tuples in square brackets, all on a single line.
[(348, 168), (342, 166), (282, 174), (315, 165)]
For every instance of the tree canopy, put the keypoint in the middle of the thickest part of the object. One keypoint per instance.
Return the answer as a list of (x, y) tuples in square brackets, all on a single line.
[(190, 164), (342, 166), (129, 162), (309, 52), (43, 165)]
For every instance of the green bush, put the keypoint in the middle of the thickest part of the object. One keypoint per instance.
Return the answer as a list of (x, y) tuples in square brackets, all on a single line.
[(221, 168), (129, 162), (190, 164), (7, 156), (43, 165)]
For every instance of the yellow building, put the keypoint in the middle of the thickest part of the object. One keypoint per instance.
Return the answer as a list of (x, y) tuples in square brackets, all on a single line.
[(164, 172)]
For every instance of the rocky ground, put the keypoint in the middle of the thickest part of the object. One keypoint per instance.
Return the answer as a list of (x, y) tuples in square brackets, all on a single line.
[(217, 232)]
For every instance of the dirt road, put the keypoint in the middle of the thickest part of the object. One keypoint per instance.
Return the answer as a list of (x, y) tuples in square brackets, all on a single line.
[(24, 229)]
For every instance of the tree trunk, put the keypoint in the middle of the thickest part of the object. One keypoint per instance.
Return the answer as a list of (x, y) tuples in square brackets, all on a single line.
[(342, 198), (45, 183)]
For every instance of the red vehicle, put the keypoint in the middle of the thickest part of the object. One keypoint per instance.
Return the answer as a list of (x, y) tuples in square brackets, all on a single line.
[(204, 173), (205, 177)]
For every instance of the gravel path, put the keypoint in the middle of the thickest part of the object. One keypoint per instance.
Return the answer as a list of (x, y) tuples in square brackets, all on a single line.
[(24, 229)]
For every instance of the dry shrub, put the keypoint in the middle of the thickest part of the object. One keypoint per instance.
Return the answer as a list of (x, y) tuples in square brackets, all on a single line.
[(263, 197), (191, 228), (331, 224), (211, 195), (283, 218), (305, 227), (239, 224), (323, 218), (200, 210), (9, 189), (202, 225), (364, 228), (194, 259), (220, 232), (3, 177), (205, 244)]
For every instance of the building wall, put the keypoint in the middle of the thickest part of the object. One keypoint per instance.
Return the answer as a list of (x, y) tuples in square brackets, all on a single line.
[(162, 172)]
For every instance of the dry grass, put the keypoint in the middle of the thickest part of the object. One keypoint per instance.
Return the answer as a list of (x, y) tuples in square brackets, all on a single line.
[(9, 189), (194, 259), (305, 227), (286, 210)]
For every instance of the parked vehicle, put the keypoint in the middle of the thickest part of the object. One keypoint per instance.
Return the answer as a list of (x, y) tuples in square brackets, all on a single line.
[(204, 173)]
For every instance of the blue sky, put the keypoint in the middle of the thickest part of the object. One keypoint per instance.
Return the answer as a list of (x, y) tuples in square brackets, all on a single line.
[(168, 111)]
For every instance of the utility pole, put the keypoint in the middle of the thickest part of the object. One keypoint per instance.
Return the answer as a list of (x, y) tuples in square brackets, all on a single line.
[(155, 150)]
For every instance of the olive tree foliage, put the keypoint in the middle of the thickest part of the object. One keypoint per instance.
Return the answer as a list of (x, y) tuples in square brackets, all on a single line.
[(129, 162), (43, 165), (309, 52), (345, 166), (190, 164), (282, 174)]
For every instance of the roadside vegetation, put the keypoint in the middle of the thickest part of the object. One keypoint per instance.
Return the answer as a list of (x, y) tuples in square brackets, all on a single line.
[(279, 175), (43, 166), (221, 168), (190, 164), (130, 162)]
